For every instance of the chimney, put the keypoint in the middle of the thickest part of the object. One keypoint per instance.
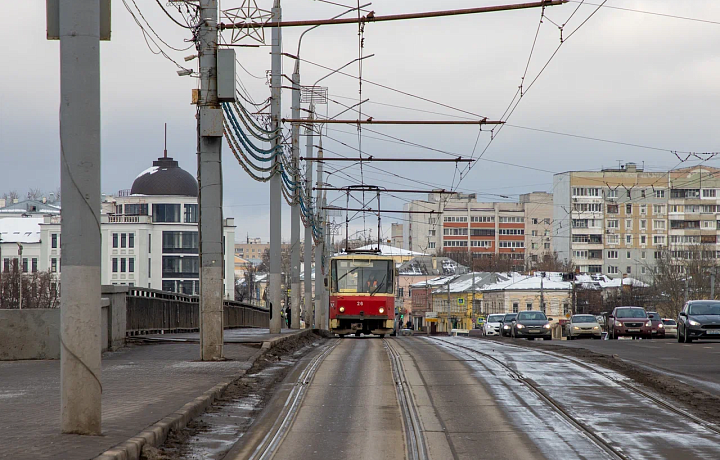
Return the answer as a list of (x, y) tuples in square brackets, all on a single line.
[(44, 200), (630, 167)]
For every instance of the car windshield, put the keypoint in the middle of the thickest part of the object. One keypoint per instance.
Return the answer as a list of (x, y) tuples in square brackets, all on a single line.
[(669, 322), (531, 315), (630, 313), (509, 317), (584, 319), (362, 275), (495, 318), (704, 308), (654, 316)]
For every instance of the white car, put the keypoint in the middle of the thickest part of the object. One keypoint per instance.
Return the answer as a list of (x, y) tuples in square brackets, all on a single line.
[(670, 327), (492, 325)]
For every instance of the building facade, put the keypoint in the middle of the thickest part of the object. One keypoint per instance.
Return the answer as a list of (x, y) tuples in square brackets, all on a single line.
[(619, 221), (149, 235), (462, 224)]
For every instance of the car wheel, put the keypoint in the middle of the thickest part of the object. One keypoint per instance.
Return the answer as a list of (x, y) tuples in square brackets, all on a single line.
[(679, 337)]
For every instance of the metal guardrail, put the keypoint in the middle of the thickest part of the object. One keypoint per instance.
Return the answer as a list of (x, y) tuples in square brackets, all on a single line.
[(150, 311)]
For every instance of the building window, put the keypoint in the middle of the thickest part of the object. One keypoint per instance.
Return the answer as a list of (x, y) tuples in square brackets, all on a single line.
[(643, 209), (612, 209), (114, 265), (709, 193), (34, 265), (642, 254), (516, 307), (642, 270), (149, 268), (628, 239), (136, 209), (659, 240), (628, 224), (612, 254), (149, 243), (166, 213), (191, 213), (643, 239), (659, 225), (131, 240), (566, 309), (612, 193), (613, 270), (643, 224), (123, 265), (53, 265), (54, 240), (629, 270), (180, 242), (658, 209), (628, 209), (123, 240), (659, 193), (131, 265), (431, 245), (528, 306), (115, 240), (511, 220), (25, 265), (534, 221), (613, 239), (180, 267), (547, 245), (612, 223)]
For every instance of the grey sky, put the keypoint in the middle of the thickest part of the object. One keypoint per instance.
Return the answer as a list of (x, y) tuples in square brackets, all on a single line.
[(625, 76)]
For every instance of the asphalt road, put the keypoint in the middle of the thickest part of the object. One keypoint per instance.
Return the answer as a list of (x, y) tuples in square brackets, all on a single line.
[(350, 410), (697, 363)]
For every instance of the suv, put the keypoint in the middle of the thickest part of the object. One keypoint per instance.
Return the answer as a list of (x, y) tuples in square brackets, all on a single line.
[(658, 328), (629, 322)]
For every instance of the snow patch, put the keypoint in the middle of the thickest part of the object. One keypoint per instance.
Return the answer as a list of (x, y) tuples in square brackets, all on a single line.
[(150, 170)]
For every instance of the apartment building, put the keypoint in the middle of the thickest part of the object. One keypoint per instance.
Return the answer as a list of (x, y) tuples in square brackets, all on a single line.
[(618, 221), (462, 224)]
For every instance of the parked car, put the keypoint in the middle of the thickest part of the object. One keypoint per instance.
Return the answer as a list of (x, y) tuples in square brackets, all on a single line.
[(582, 326), (531, 325), (629, 322), (658, 328), (506, 324), (492, 325), (670, 326), (699, 319)]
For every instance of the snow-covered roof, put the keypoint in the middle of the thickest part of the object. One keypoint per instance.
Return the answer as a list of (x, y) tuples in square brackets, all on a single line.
[(524, 282), (20, 229), (464, 283), (604, 281), (150, 170), (389, 250), (31, 207), (431, 265), (440, 280)]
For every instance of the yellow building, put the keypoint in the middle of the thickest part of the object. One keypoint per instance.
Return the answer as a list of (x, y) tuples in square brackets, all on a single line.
[(524, 293)]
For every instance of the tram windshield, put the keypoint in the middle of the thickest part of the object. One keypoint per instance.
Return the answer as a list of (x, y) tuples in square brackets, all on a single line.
[(362, 276)]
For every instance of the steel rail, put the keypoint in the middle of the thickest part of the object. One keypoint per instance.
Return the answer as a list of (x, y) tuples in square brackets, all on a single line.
[(556, 406), (417, 447), (272, 440), (627, 386)]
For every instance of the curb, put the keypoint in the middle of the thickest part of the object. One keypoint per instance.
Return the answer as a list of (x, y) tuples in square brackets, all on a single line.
[(155, 435)]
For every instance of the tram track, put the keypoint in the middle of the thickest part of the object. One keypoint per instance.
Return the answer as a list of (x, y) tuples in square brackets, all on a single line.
[(414, 433), (269, 445), (549, 400), (628, 386)]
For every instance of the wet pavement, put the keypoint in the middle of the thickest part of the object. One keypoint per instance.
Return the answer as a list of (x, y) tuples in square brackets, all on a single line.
[(630, 423)]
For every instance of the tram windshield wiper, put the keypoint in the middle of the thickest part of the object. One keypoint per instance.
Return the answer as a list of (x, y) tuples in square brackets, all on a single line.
[(381, 284)]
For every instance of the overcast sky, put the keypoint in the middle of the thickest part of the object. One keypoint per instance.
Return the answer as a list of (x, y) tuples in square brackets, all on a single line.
[(624, 76)]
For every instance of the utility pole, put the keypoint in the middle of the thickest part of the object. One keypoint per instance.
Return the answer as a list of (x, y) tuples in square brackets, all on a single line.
[(309, 228), (80, 361), (210, 197), (319, 248), (712, 285), (276, 180), (20, 269), (687, 287), (542, 293), (295, 209)]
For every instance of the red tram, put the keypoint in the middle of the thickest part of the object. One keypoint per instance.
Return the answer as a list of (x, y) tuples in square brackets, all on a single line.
[(362, 297)]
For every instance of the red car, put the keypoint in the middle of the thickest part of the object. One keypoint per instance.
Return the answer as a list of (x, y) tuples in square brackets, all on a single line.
[(658, 328), (629, 322)]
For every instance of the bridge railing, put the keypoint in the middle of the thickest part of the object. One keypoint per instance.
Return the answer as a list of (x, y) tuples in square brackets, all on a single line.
[(150, 311)]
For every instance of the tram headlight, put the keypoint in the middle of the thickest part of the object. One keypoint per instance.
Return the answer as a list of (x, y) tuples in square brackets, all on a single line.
[(381, 310), (342, 309)]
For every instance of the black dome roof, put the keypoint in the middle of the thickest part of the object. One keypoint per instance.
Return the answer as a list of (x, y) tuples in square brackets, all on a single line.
[(165, 178)]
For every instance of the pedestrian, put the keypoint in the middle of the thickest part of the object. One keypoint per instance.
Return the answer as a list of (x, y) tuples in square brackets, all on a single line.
[(287, 316)]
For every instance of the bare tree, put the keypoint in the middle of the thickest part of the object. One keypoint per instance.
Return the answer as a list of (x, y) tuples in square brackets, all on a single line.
[(11, 196), (551, 262), (39, 289), (34, 194)]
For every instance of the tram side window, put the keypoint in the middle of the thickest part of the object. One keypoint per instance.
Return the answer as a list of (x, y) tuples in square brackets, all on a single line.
[(364, 276)]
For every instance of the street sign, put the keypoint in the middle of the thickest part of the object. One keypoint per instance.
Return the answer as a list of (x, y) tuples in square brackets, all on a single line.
[(431, 314), (461, 301), (431, 320)]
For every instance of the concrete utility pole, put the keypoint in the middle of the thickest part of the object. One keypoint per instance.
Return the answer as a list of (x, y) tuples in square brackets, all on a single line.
[(20, 269), (319, 248), (210, 186), (80, 362), (308, 228), (276, 180), (295, 209), (542, 292)]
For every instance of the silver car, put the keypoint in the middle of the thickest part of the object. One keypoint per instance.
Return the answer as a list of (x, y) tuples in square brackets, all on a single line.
[(492, 325), (583, 326), (670, 327)]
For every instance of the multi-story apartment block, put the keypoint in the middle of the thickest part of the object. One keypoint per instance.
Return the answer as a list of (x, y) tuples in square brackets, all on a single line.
[(462, 224), (618, 221)]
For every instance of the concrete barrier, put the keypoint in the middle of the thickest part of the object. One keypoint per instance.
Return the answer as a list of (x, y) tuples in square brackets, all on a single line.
[(29, 334)]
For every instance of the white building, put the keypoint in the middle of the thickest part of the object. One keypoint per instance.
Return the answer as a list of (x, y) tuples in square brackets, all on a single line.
[(149, 235)]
